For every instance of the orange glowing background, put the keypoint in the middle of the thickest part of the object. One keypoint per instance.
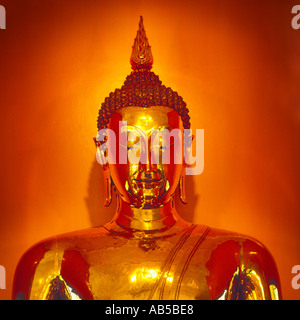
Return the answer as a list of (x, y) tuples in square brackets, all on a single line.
[(235, 63)]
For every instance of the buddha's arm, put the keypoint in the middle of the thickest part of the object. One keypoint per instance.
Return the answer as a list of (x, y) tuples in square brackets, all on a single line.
[(46, 272), (248, 284), (37, 276), (256, 277)]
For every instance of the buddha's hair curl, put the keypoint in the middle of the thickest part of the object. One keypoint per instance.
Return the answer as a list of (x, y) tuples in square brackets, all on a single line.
[(142, 88)]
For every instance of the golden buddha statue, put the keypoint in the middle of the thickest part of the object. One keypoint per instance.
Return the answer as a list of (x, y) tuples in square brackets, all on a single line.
[(147, 251)]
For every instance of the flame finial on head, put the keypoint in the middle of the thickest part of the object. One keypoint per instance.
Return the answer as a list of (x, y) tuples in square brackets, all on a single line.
[(142, 88), (141, 57)]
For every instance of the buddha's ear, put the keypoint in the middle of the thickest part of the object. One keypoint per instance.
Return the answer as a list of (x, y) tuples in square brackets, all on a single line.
[(97, 143), (100, 153), (107, 185), (182, 189), (188, 140), (187, 151), (182, 193), (101, 159)]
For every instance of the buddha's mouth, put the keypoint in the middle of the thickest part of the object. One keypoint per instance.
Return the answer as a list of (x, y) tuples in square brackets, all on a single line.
[(149, 183), (148, 180)]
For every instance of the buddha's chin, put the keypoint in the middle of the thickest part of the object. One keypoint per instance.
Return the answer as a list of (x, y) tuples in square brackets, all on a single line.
[(147, 198), (147, 204)]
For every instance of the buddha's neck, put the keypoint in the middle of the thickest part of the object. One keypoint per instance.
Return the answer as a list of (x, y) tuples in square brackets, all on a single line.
[(146, 219)]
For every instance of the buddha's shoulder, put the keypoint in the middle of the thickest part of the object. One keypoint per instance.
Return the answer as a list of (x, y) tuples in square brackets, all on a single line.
[(224, 244), (51, 247), (54, 255), (222, 235), (233, 239)]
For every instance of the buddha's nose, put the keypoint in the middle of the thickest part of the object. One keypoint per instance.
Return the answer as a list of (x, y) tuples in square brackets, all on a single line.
[(148, 170), (146, 175)]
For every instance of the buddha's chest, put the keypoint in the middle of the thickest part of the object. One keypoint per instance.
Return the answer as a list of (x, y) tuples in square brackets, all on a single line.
[(160, 270)]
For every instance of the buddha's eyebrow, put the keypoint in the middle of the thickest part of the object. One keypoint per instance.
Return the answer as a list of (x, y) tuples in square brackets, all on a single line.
[(130, 128), (149, 132), (160, 128)]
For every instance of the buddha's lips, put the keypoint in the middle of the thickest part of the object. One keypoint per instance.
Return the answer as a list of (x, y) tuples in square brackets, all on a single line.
[(148, 180)]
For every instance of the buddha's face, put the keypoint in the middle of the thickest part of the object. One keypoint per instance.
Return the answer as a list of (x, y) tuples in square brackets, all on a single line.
[(150, 169)]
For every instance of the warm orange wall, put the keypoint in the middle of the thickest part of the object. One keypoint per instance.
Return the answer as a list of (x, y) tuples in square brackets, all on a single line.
[(236, 63)]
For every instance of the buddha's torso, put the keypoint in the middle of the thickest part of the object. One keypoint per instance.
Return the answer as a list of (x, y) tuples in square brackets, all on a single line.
[(190, 263)]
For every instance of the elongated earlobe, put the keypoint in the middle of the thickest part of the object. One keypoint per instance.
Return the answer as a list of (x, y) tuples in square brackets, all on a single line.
[(107, 185), (182, 194), (106, 174)]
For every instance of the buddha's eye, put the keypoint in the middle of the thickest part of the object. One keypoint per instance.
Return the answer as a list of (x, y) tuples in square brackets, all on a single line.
[(133, 146), (165, 147), (130, 147)]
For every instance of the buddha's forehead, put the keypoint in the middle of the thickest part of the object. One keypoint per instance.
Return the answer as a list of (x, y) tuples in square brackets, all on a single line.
[(147, 118)]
